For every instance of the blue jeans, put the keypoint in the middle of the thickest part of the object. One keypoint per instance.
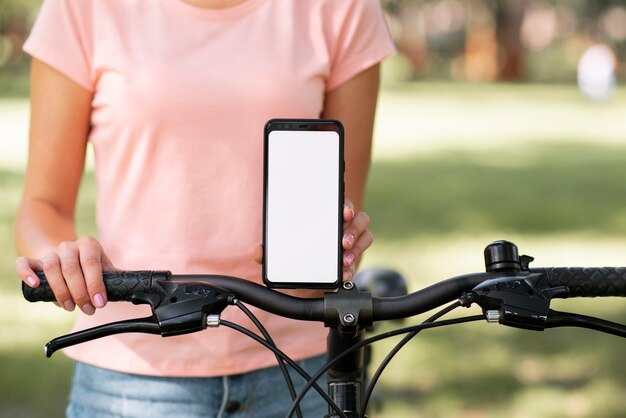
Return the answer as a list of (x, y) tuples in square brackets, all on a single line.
[(103, 393)]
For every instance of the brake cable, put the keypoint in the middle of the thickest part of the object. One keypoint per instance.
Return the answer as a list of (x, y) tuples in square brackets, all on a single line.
[(371, 340), (268, 338), (395, 350)]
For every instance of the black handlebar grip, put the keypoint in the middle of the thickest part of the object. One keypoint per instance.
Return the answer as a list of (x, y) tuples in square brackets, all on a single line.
[(588, 281), (119, 285)]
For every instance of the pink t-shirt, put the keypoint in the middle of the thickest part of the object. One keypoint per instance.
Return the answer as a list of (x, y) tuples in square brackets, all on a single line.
[(181, 95)]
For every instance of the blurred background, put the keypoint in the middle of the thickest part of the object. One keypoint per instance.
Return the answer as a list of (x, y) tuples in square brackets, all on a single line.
[(497, 120)]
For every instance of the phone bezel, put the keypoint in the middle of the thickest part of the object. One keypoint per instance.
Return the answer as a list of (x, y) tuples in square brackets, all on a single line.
[(305, 125)]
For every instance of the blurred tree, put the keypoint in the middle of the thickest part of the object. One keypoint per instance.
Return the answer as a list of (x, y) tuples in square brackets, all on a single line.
[(509, 15), (481, 48), (408, 32), (509, 40), (16, 17), (466, 39)]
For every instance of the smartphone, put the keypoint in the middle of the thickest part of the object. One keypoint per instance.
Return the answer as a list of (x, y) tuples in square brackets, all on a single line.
[(303, 203)]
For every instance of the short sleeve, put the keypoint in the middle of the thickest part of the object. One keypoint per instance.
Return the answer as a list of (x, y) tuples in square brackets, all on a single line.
[(362, 40), (61, 38)]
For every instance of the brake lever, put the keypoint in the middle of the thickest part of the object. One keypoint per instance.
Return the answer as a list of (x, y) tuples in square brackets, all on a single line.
[(567, 319), (516, 301), (178, 307), (182, 306), (148, 325), (521, 298)]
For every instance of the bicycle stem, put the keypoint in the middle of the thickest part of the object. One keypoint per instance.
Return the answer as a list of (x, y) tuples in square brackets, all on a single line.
[(345, 378)]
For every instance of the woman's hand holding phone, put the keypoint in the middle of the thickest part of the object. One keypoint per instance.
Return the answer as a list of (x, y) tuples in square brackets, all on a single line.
[(356, 239)]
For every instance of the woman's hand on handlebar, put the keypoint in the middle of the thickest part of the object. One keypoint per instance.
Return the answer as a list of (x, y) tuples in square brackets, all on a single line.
[(74, 271), (356, 239)]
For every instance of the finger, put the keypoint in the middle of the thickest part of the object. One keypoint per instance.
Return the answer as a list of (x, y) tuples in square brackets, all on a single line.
[(348, 211), (90, 257), (348, 273), (348, 259), (354, 229), (362, 244), (107, 265), (26, 267), (256, 253), (51, 266), (74, 278)]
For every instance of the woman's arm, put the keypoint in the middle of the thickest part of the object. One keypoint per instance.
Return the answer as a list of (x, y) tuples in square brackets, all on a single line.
[(44, 227), (354, 104)]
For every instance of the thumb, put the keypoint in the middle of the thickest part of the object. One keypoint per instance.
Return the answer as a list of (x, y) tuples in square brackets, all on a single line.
[(256, 253)]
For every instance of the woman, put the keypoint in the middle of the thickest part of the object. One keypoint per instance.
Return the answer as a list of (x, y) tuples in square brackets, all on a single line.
[(173, 95)]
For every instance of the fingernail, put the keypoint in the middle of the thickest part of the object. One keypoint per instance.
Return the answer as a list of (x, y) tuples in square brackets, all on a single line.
[(349, 258), (31, 281), (349, 239), (69, 306), (88, 309), (99, 300)]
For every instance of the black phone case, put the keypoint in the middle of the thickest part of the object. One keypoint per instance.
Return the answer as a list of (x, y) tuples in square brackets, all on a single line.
[(305, 125)]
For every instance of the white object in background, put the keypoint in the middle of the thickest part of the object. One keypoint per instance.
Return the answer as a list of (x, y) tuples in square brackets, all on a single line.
[(596, 72)]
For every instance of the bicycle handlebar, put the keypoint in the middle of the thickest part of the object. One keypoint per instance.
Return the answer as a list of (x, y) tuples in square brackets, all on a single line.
[(586, 281), (129, 285), (510, 293), (120, 286)]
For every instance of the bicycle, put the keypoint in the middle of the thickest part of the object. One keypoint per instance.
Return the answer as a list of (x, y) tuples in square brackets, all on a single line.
[(509, 292)]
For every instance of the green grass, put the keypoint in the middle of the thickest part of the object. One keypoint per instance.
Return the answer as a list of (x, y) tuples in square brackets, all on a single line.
[(447, 206), (14, 79), (432, 213), (547, 189), (486, 369)]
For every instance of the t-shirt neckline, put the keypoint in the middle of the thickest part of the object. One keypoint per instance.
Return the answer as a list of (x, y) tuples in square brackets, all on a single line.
[(216, 14)]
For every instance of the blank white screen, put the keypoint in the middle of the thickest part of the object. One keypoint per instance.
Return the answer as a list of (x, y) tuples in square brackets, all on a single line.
[(302, 207)]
